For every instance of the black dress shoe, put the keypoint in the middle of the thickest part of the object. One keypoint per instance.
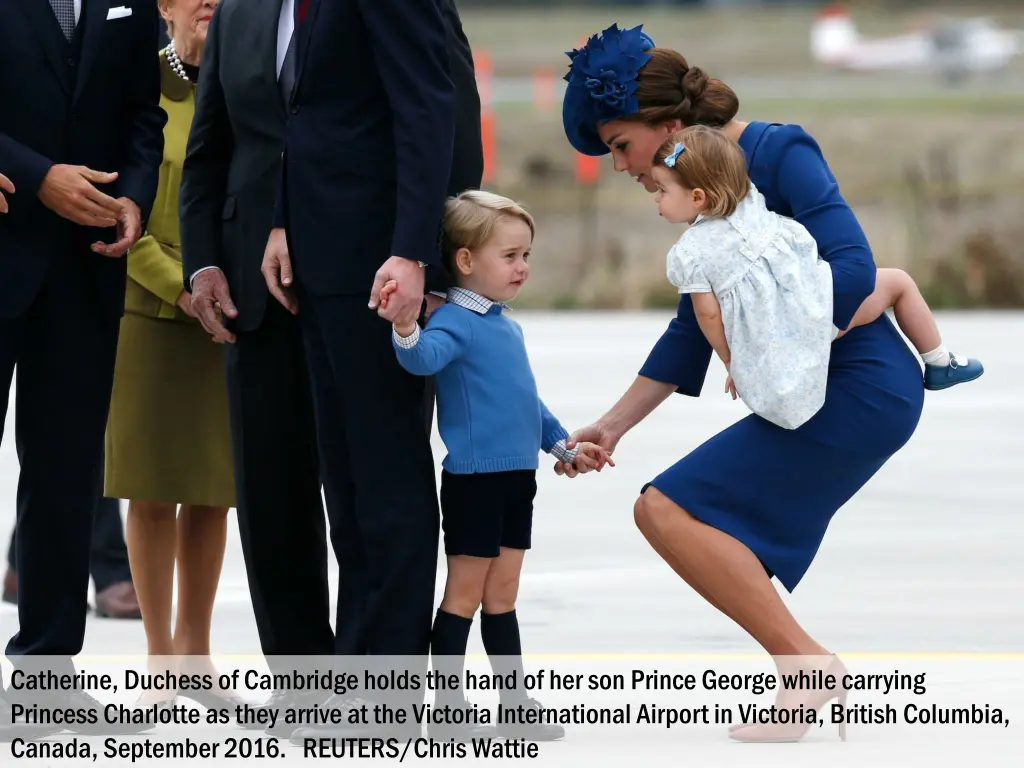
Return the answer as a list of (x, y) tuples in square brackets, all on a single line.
[(527, 730), (461, 732), (358, 730), (80, 700), (282, 702), (10, 730), (211, 700)]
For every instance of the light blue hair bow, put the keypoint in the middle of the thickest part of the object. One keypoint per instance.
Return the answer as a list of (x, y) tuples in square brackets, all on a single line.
[(670, 161)]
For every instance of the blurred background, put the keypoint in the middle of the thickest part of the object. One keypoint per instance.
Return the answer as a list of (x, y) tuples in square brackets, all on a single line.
[(918, 107)]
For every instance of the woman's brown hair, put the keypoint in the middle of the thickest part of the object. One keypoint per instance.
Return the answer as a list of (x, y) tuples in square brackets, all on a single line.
[(708, 160), (668, 88)]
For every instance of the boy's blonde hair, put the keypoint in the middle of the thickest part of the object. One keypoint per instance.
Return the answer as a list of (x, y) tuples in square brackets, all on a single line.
[(711, 161), (469, 221)]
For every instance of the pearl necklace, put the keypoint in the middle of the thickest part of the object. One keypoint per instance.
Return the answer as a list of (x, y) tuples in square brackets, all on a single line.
[(175, 62)]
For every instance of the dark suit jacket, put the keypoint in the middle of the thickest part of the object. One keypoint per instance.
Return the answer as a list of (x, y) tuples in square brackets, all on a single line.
[(233, 159), (97, 106), (369, 145)]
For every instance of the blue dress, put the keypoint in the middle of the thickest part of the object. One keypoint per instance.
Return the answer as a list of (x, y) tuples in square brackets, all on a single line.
[(774, 489)]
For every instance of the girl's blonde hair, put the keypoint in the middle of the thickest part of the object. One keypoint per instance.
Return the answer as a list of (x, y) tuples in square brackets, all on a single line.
[(708, 160), (470, 219)]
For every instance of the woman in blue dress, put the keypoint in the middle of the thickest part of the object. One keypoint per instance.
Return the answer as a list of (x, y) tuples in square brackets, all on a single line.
[(755, 500)]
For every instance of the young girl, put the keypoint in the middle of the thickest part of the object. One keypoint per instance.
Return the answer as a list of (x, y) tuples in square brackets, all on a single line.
[(494, 425), (761, 294)]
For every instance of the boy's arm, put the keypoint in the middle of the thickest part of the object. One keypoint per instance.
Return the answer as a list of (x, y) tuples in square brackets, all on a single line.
[(424, 353), (554, 437), (709, 318)]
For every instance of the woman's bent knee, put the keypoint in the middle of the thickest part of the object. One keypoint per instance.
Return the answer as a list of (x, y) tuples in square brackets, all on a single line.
[(653, 511)]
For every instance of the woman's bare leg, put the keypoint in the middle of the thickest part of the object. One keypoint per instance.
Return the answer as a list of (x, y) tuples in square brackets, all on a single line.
[(150, 535), (202, 537), (728, 574)]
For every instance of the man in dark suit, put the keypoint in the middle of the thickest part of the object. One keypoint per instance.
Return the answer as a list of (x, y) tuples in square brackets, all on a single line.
[(366, 170), (229, 180), (238, 133), (81, 139), (108, 564)]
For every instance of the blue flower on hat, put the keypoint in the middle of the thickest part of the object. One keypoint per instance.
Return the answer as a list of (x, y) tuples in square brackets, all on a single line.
[(602, 83)]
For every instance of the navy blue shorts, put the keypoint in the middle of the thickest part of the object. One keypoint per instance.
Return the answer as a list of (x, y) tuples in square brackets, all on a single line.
[(481, 513)]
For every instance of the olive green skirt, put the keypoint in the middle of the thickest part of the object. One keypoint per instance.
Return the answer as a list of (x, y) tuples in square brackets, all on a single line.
[(168, 435)]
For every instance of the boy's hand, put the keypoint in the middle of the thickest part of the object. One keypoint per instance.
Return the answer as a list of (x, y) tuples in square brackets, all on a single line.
[(592, 457), (730, 386), (389, 288)]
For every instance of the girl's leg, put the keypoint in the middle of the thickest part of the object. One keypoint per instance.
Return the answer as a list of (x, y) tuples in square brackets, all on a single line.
[(151, 538), (463, 592), (202, 536), (895, 288)]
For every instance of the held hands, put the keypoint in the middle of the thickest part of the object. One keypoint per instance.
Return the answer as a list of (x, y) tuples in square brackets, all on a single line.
[(590, 458), (596, 436), (402, 316), (406, 298)]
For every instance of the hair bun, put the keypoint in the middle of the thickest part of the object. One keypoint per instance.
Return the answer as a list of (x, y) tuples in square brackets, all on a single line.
[(695, 82)]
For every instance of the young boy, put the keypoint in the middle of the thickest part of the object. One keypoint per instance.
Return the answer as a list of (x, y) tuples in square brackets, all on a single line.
[(494, 425)]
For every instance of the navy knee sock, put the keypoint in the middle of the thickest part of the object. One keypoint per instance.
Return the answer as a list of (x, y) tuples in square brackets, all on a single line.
[(448, 640), (500, 633)]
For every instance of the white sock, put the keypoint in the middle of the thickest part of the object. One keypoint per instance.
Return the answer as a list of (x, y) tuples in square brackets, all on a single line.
[(938, 356)]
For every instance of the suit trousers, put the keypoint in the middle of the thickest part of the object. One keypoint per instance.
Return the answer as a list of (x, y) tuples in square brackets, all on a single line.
[(378, 475), (108, 560), (277, 479), (64, 347)]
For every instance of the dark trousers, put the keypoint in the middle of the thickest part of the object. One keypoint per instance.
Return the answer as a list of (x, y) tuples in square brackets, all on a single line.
[(64, 349), (108, 561), (280, 510), (378, 476)]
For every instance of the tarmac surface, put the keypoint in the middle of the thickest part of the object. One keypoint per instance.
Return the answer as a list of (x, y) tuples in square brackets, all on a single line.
[(923, 567)]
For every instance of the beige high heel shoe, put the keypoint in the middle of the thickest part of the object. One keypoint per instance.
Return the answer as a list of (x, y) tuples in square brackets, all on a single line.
[(791, 732)]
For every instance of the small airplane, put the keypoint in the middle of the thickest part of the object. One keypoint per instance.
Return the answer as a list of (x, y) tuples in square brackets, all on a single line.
[(953, 48)]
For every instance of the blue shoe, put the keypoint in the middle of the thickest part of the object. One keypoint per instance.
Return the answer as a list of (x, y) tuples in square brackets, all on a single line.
[(959, 371)]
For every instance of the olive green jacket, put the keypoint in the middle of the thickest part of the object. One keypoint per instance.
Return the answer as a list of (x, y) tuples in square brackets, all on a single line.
[(154, 263)]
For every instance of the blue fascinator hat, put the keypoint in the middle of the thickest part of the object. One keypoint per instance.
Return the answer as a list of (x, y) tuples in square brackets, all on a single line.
[(602, 83)]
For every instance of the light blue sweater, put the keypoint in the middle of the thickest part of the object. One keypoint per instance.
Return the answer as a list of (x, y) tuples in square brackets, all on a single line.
[(488, 411)]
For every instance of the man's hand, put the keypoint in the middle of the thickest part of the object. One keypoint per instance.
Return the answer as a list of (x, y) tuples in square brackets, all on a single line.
[(277, 270), (408, 297), (184, 303), (211, 300), (5, 186), (129, 230), (68, 191)]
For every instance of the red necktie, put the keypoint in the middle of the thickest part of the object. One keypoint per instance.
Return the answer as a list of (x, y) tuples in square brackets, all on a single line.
[(302, 9)]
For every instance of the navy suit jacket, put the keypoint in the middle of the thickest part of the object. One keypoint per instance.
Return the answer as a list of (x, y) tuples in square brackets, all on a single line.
[(369, 141), (100, 109)]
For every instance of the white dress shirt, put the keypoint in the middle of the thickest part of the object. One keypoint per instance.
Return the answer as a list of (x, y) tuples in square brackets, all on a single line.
[(285, 27), (78, 10)]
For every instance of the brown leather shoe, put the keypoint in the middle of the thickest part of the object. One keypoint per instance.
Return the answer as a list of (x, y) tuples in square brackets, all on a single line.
[(118, 601), (10, 594)]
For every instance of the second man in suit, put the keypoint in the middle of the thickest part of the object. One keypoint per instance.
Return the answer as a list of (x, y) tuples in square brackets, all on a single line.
[(229, 180)]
